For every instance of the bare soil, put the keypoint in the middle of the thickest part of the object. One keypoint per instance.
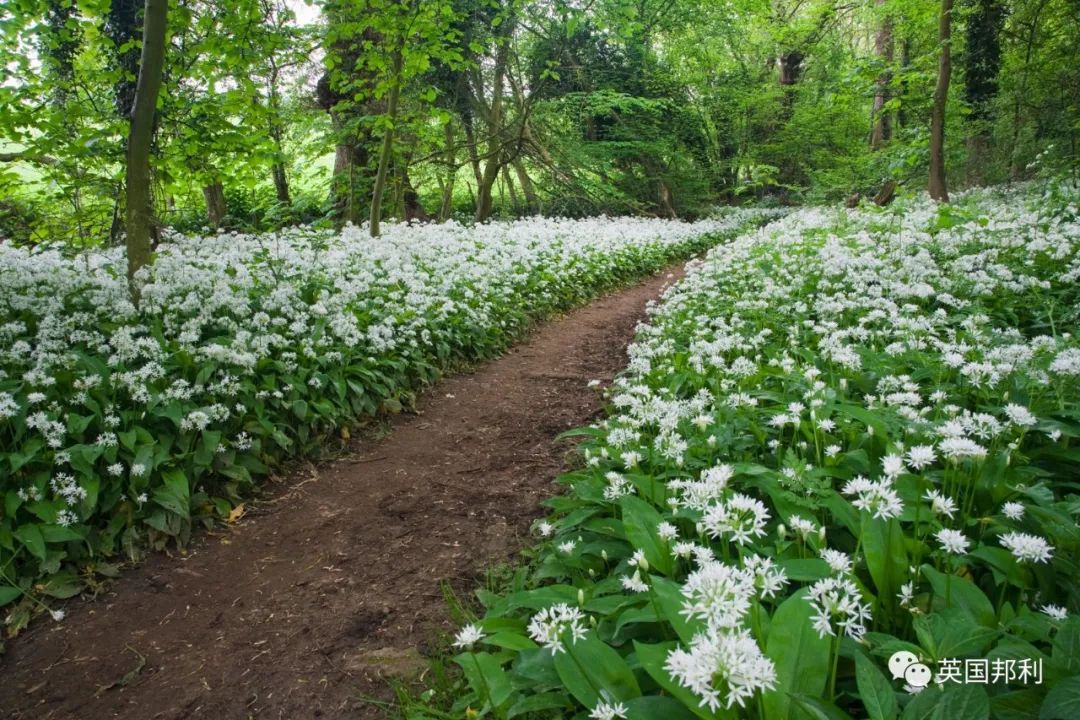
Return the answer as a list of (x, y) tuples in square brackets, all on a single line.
[(331, 582)]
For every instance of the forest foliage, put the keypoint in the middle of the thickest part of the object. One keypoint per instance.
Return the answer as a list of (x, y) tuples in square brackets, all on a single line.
[(475, 108)]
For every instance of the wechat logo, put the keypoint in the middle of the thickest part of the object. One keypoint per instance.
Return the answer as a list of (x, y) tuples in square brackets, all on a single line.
[(905, 666)]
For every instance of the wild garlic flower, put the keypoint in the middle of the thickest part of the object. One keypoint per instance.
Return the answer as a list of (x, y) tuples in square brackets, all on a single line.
[(1026, 547), (1013, 510), (940, 504), (838, 608), (550, 626), (723, 668), (875, 497), (608, 711), (719, 594), (740, 517), (953, 542), (838, 562), (1055, 612), (468, 636)]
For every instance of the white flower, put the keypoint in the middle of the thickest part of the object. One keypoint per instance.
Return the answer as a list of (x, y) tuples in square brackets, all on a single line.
[(940, 504), (567, 547), (921, 456), (1020, 415), (1027, 548), (57, 615), (837, 561), (892, 466), (549, 626), (723, 668), (719, 594), (804, 527), (838, 607), (953, 541), (545, 528), (906, 594), (1056, 612), (742, 517), (468, 636), (666, 531), (769, 578), (605, 711), (1013, 510), (877, 498), (634, 583)]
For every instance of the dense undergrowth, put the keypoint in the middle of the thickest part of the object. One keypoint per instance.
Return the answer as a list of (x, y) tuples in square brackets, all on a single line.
[(846, 437), (123, 427)]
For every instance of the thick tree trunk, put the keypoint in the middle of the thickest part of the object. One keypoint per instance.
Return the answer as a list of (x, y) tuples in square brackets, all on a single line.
[(937, 185), (140, 214), (387, 144), (214, 194), (881, 130)]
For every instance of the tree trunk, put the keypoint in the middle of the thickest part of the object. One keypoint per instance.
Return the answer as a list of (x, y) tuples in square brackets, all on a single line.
[(446, 207), (982, 61), (905, 65), (387, 144), (281, 183), (214, 194), (532, 201), (494, 160), (410, 200), (937, 184), (140, 215), (881, 131)]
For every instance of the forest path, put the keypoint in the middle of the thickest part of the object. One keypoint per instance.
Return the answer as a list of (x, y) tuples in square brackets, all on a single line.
[(332, 582)]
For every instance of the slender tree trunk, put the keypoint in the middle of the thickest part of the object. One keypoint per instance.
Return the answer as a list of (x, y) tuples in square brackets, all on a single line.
[(937, 184), (446, 207), (905, 65), (494, 160), (881, 131), (140, 215), (515, 202), (214, 194), (387, 144), (532, 201)]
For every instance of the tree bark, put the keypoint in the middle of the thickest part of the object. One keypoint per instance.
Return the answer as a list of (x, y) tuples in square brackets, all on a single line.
[(214, 194), (140, 215), (532, 201), (937, 185), (281, 183), (494, 159), (881, 131), (387, 144), (446, 207)]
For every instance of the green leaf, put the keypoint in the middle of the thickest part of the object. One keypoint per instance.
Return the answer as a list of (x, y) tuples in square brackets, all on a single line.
[(657, 707), (590, 666), (875, 691), (486, 677), (174, 495), (32, 539), (800, 654), (818, 709), (9, 594), (962, 593), (1063, 701), (963, 702), (539, 703), (886, 559), (640, 520)]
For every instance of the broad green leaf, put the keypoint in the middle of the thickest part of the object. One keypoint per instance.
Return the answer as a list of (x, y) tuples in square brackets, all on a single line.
[(590, 667), (801, 656), (875, 691)]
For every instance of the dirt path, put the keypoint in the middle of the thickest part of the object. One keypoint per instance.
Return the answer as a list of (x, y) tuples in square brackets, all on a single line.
[(333, 582)]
